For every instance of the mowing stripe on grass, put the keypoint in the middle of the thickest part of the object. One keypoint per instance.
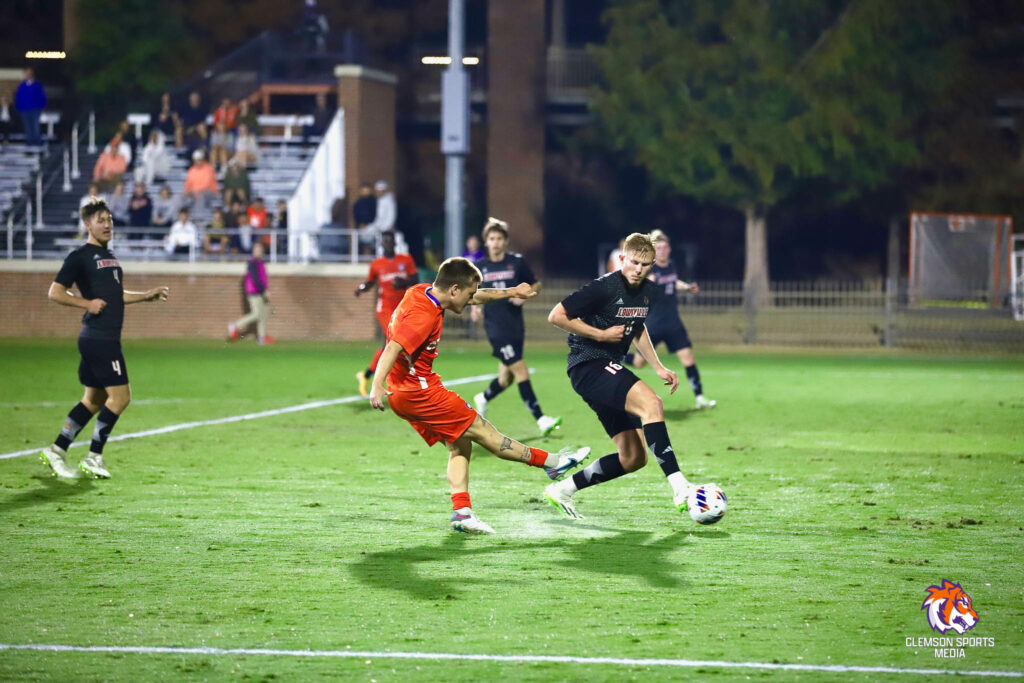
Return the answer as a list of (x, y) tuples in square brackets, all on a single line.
[(527, 659), (239, 418)]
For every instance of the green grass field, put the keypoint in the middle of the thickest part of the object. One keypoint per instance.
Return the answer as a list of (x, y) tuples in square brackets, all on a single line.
[(854, 483)]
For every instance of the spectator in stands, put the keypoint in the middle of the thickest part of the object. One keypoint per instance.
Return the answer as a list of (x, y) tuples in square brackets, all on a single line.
[(216, 239), (222, 143), (6, 120), (387, 210), (201, 181), (257, 215), (118, 204), (166, 121), (227, 114), (110, 166), (247, 116), (364, 210), (183, 237), (241, 241), (91, 195), (236, 183), (29, 100), (281, 221), (473, 251), (128, 141), (165, 208), (193, 124), (247, 149), (155, 162), (140, 207), (236, 210), (322, 116)]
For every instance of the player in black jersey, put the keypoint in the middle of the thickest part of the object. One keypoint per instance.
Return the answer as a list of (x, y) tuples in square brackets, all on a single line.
[(664, 323), (603, 318), (98, 275), (503, 322)]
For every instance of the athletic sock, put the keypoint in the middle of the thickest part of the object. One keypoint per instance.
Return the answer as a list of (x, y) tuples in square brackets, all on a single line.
[(539, 458), (460, 500), (693, 375), (530, 399), (105, 421), (605, 468), (656, 435), (77, 419), (368, 373), (493, 390), (628, 359)]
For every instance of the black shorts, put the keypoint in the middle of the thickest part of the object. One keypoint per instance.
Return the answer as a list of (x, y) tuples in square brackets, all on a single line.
[(603, 385), (507, 349), (102, 363), (674, 336)]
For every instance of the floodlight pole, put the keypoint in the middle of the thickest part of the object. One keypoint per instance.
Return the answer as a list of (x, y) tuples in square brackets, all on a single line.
[(454, 129)]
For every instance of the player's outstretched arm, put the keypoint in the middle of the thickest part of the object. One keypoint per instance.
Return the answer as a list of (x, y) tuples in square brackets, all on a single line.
[(379, 392), (688, 286), (155, 294), (59, 294), (368, 285), (646, 349), (559, 318), (485, 296)]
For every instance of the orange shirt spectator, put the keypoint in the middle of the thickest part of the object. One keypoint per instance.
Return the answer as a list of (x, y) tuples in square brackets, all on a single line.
[(110, 166), (226, 112), (201, 177), (257, 214)]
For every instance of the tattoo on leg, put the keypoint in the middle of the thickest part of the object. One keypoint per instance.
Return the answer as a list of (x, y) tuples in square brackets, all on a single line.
[(525, 457), (506, 444)]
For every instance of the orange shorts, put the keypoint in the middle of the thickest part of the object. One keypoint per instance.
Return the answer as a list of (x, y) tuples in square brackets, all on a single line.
[(438, 414)]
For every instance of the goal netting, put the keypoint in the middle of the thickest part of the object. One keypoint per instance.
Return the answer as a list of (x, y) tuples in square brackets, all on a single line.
[(960, 258)]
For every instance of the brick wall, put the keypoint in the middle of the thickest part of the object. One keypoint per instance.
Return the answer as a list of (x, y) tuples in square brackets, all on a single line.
[(204, 299), (368, 98), (515, 113)]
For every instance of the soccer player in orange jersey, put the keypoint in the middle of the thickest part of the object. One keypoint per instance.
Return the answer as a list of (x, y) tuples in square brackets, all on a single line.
[(406, 381), (395, 273)]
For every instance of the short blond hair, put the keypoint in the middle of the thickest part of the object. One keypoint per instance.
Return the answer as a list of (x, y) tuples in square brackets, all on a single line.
[(638, 242), (658, 236), (457, 271)]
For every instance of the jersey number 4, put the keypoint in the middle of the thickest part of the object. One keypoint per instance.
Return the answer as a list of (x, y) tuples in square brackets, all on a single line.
[(116, 364)]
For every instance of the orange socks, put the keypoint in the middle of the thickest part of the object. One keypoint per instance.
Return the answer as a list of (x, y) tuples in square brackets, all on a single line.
[(538, 457), (460, 500)]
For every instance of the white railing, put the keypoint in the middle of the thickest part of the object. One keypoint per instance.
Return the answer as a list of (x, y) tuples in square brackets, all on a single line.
[(321, 184)]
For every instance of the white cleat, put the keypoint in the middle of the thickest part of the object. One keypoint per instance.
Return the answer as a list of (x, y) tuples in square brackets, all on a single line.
[(481, 404), (54, 459), (679, 499), (94, 466), (562, 500), (705, 402), (566, 461), (546, 424), (464, 520)]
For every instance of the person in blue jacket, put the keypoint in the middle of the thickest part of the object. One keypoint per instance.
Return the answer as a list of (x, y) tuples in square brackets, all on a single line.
[(29, 100)]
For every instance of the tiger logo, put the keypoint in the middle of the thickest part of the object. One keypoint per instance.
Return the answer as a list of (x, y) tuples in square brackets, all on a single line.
[(949, 608)]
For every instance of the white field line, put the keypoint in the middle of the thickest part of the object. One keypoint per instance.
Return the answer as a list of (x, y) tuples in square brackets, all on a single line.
[(240, 418), (529, 659)]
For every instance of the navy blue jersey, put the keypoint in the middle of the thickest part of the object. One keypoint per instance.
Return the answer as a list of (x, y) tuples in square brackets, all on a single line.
[(606, 302), (503, 319), (665, 309), (97, 273)]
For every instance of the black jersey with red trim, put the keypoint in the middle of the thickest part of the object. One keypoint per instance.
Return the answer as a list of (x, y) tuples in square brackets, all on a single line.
[(97, 274), (604, 303), (665, 309), (502, 318)]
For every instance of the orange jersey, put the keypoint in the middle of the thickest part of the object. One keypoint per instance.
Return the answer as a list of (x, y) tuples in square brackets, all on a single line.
[(383, 271), (416, 326)]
